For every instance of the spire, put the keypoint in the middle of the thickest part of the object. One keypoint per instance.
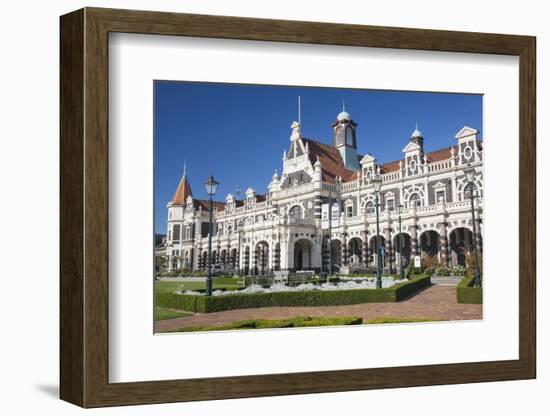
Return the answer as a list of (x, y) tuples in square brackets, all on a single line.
[(184, 167), (344, 115), (416, 133), (183, 191)]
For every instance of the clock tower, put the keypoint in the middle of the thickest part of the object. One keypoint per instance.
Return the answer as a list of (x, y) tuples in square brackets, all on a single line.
[(345, 140)]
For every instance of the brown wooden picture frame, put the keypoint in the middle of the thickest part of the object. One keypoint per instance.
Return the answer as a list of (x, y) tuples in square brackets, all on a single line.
[(84, 207)]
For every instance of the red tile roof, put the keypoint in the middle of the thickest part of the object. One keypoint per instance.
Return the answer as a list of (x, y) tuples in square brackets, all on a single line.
[(182, 192), (389, 166), (333, 165), (205, 204), (331, 161), (441, 154)]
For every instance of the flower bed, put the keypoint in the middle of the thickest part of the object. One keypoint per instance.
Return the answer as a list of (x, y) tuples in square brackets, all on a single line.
[(238, 300)]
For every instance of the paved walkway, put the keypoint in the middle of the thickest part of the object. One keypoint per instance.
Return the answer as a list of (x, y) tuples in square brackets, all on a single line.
[(434, 302)]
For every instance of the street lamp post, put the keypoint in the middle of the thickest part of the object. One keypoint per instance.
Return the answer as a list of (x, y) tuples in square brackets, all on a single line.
[(469, 171), (401, 271), (377, 185), (211, 186)]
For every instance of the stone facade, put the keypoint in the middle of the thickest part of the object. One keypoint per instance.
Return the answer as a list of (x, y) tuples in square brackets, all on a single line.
[(284, 229)]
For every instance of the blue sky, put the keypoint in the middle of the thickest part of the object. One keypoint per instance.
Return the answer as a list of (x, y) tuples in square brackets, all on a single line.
[(239, 132)]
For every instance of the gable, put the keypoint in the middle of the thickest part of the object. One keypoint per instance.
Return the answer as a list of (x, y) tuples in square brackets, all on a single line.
[(410, 147), (465, 132)]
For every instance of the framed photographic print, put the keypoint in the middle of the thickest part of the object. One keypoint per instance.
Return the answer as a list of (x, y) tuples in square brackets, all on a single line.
[(334, 207)]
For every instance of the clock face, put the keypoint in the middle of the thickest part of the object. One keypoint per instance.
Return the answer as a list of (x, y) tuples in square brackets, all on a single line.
[(340, 136)]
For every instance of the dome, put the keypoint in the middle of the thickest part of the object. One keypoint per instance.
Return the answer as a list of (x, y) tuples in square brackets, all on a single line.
[(416, 133), (343, 116)]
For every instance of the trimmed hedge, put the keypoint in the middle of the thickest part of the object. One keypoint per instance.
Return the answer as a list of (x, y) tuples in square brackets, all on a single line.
[(465, 293), (298, 322), (204, 304)]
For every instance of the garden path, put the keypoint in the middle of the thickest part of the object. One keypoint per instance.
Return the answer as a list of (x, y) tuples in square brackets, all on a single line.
[(436, 302)]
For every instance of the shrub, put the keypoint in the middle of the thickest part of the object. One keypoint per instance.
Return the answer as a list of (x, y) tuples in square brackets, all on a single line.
[(430, 261), (204, 304), (466, 293), (411, 270), (429, 271), (298, 322), (442, 271), (470, 264)]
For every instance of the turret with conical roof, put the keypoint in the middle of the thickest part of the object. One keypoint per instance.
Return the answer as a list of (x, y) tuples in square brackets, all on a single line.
[(183, 191)]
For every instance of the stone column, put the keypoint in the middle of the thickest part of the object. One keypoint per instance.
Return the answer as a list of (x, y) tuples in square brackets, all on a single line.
[(246, 265), (325, 253), (365, 248), (317, 207), (389, 250), (443, 246), (255, 261), (277, 257), (415, 247), (344, 243), (199, 260)]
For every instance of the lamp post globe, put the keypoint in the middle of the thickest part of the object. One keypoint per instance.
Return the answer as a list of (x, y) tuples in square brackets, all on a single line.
[(211, 187), (376, 182)]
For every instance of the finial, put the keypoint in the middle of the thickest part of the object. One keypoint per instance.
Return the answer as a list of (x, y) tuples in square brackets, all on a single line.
[(343, 104), (416, 125), (184, 167), (284, 154)]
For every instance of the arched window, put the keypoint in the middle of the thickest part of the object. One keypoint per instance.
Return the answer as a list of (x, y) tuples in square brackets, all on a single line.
[(349, 137), (340, 136), (370, 207), (415, 200), (468, 190), (295, 212)]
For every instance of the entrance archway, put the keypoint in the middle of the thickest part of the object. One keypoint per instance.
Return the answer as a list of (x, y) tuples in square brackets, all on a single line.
[(373, 250), (402, 247), (302, 254), (262, 257), (336, 254), (461, 244), (429, 243), (355, 255)]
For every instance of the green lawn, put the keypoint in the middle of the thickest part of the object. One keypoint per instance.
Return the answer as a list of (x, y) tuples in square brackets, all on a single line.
[(165, 313), (298, 322)]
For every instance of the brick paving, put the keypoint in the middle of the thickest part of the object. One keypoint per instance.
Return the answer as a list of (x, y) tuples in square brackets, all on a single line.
[(434, 302)]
